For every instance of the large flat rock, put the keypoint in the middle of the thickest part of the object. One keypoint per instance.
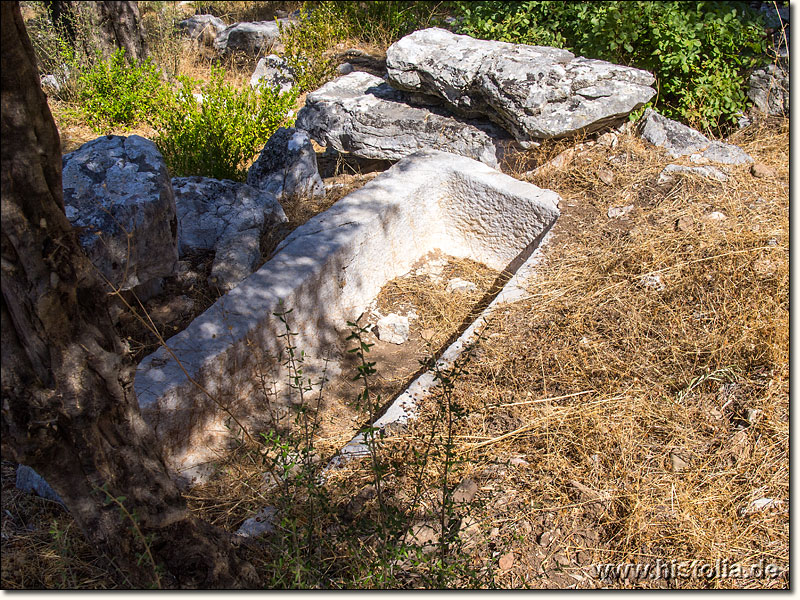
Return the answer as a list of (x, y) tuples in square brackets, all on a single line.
[(535, 92), (360, 114), (327, 272)]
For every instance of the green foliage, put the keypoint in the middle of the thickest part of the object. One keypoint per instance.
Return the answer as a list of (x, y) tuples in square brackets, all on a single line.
[(699, 52), (215, 137), (57, 56), (383, 22), (115, 92), (305, 44)]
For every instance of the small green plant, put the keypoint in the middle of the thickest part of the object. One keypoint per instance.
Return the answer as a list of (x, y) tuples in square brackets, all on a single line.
[(306, 43), (386, 21), (116, 93), (699, 52), (215, 132)]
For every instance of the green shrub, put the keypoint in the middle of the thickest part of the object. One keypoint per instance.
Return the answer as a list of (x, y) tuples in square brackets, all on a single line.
[(215, 137), (386, 21), (699, 52), (115, 92), (306, 42)]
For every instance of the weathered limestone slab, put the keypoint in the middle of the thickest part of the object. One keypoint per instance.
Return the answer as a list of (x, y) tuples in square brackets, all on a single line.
[(117, 189), (681, 140), (535, 92), (327, 272), (362, 115)]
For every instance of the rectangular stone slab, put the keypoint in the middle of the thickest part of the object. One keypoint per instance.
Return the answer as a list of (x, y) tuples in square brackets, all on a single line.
[(327, 272)]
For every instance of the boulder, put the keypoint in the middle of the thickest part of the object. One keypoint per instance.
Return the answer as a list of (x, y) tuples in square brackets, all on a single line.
[(252, 39), (681, 140), (287, 166), (273, 71), (203, 28), (769, 90), (228, 217), (362, 115), (535, 92), (117, 191)]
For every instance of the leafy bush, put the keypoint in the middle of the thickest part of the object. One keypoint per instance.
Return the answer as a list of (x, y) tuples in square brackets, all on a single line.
[(61, 53), (115, 92), (216, 134), (384, 22), (699, 52), (306, 42)]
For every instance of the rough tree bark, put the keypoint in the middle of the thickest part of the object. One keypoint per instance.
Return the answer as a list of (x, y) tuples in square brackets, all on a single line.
[(115, 25), (118, 27), (68, 405), (61, 16)]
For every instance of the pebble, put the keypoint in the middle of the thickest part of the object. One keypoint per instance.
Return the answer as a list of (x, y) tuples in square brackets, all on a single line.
[(762, 170)]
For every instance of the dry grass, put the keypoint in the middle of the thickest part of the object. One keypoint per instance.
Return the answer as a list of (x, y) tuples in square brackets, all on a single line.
[(697, 371), (681, 419)]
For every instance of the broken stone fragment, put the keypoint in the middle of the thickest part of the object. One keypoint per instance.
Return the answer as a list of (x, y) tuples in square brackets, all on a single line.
[(392, 328), (461, 286), (669, 173), (287, 166), (680, 140), (273, 71)]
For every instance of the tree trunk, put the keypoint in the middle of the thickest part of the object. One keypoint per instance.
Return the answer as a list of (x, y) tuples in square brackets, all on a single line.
[(68, 405), (62, 17), (118, 27)]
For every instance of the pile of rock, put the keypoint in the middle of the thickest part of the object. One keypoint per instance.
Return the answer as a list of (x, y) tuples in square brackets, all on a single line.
[(471, 97), (250, 38), (136, 223)]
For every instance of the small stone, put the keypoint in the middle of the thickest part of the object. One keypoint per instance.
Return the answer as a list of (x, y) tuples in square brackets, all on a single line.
[(678, 463), (258, 525), (762, 170), (764, 267), (462, 286), (427, 333), (615, 212), (606, 177), (762, 504), (506, 561), (684, 223), (494, 532), (716, 216), (653, 282), (469, 532), (424, 535), (754, 415), (465, 491), (344, 69), (608, 139), (392, 328)]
